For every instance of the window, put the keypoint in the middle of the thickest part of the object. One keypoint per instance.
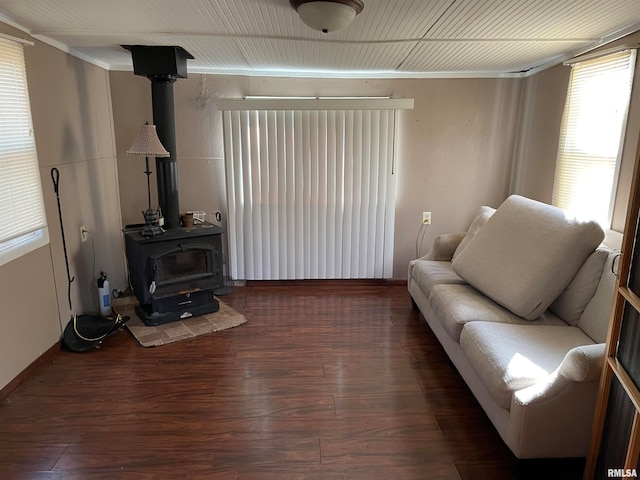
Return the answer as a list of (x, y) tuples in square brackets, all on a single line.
[(591, 135), (310, 188), (23, 226)]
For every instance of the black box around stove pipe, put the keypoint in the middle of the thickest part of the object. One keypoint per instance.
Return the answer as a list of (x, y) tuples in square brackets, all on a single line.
[(174, 275)]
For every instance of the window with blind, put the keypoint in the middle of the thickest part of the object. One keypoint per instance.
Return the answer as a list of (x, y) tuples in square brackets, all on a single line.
[(591, 135), (23, 226), (311, 191)]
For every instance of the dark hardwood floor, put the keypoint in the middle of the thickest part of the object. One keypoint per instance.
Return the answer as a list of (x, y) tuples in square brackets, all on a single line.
[(322, 382)]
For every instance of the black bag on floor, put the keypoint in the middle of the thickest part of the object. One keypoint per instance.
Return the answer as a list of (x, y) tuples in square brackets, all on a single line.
[(84, 332)]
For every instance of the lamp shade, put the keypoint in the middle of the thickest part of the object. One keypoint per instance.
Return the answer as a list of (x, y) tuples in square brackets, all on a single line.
[(327, 15), (147, 143)]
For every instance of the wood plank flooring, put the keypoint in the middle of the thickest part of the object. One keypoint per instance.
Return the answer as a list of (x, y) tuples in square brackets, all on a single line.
[(322, 382)]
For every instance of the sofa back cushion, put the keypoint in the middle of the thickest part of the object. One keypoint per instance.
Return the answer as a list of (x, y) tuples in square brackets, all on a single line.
[(574, 299), (595, 318), (480, 218), (526, 254)]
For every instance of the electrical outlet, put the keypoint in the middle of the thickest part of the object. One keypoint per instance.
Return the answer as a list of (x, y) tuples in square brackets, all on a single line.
[(426, 218), (84, 233)]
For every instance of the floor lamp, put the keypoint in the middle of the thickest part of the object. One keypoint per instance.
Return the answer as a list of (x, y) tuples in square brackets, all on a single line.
[(148, 144)]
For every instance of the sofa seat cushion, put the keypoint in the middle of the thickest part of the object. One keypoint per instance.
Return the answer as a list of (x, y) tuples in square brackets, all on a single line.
[(508, 358), (427, 273), (526, 254), (457, 305)]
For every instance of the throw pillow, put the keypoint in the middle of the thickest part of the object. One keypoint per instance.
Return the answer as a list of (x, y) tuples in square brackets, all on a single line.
[(526, 254)]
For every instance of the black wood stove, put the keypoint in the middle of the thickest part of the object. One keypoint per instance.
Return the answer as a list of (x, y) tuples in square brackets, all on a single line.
[(175, 273)]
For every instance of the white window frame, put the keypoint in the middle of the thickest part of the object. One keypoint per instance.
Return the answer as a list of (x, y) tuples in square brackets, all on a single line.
[(25, 236), (582, 160)]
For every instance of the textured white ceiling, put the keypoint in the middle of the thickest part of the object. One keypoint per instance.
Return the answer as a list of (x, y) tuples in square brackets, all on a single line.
[(389, 38)]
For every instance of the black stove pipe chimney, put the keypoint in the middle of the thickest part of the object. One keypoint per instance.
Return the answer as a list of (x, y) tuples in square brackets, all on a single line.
[(162, 66), (167, 167)]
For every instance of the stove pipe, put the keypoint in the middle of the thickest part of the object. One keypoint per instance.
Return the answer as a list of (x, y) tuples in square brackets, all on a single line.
[(163, 66)]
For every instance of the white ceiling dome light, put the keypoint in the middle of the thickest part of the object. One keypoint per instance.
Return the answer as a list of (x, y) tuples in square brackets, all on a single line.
[(327, 15)]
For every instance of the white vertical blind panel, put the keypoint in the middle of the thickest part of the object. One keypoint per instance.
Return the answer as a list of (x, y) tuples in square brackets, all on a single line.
[(273, 257), (246, 208), (298, 195), (315, 137), (228, 137), (329, 223), (311, 193), (261, 197), (350, 221), (389, 207), (304, 194), (290, 196), (374, 191), (230, 152), (340, 195), (365, 218)]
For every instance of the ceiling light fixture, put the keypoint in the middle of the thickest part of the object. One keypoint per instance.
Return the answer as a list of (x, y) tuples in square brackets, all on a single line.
[(327, 15)]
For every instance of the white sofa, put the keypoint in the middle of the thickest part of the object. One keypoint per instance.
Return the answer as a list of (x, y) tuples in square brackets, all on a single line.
[(521, 305)]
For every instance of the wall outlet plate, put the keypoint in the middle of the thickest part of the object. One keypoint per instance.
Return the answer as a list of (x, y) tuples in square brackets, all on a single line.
[(83, 233), (426, 218)]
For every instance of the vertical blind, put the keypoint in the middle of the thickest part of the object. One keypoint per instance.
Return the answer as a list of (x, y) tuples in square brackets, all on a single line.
[(311, 193), (22, 211), (591, 135)]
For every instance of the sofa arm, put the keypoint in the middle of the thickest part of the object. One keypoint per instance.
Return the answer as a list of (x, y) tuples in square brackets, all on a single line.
[(580, 365), (554, 416), (444, 246), (583, 364)]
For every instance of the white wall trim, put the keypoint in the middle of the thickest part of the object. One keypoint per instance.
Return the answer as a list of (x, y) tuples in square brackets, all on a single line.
[(4, 36), (348, 103), (603, 41)]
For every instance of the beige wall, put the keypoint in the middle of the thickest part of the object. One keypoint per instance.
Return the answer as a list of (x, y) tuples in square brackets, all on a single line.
[(543, 97), (455, 147), (71, 109), (543, 101)]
